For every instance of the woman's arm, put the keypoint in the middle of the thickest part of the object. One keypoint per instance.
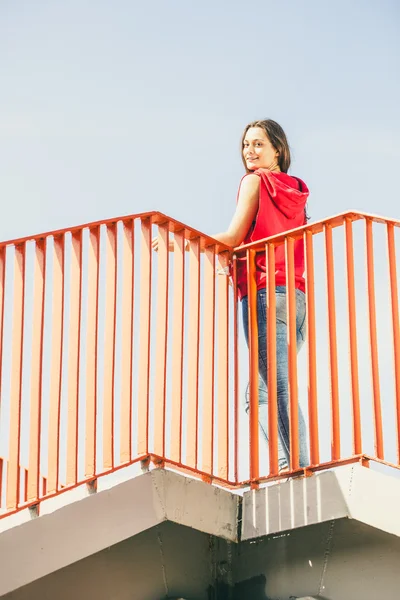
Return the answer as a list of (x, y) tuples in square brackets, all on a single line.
[(245, 213), (246, 210)]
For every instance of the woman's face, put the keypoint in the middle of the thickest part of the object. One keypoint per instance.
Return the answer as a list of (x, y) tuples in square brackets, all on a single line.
[(258, 152)]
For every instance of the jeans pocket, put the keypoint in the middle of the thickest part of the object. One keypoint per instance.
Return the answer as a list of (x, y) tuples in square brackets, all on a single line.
[(281, 311), (303, 329), (301, 314), (262, 304)]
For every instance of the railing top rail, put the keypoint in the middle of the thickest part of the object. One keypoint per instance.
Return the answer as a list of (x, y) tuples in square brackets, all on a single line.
[(315, 227), (191, 233), (156, 217)]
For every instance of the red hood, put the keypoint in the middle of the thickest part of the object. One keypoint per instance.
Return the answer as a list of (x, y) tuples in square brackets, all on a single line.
[(289, 200)]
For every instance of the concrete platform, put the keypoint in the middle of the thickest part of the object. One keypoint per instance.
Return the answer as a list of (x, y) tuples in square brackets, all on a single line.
[(352, 492), (78, 524), (332, 536)]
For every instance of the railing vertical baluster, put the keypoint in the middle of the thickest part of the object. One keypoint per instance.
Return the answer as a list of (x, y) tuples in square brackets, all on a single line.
[(177, 345), (292, 355), (2, 295), (1, 480), (144, 337), (57, 334), (271, 361), (32, 490), (378, 433), (161, 341), (127, 322), (208, 352), (74, 357), (223, 374), (109, 347), (92, 351), (333, 360), (351, 298), (235, 370), (13, 470), (395, 325), (193, 354), (311, 349), (253, 368)]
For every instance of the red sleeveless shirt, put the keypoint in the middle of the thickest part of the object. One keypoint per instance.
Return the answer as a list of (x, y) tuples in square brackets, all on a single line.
[(281, 207)]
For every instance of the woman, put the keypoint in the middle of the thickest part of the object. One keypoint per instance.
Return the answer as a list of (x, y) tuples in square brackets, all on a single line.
[(270, 202)]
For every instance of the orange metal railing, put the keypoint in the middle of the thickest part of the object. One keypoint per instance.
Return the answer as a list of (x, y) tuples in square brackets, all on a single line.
[(363, 304), (111, 354), (101, 343)]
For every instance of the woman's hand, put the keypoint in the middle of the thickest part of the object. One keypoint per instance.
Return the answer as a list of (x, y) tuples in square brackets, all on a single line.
[(154, 244), (171, 245)]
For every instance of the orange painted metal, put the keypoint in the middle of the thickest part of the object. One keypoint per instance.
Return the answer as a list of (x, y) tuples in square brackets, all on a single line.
[(13, 466), (144, 337), (109, 346), (235, 370), (223, 374), (1, 479), (311, 349), (57, 331), (23, 475), (378, 430), (74, 357), (333, 360), (306, 472), (93, 274), (395, 325), (161, 339), (127, 321), (177, 346), (155, 216), (271, 361), (292, 355), (317, 227), (253, 367), (2, 296), (351, 297), (32, 483), (193, 354), (208, 361)]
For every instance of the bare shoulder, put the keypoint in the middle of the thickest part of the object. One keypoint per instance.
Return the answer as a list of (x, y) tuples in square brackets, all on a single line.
[(251, 180), (250, 185)]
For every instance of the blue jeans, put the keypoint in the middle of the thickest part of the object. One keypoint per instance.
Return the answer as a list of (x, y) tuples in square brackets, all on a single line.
[(282, 370)]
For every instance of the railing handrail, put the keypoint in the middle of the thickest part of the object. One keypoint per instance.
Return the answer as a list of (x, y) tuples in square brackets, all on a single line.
[(157, 219), (191, 232), (314, 227)]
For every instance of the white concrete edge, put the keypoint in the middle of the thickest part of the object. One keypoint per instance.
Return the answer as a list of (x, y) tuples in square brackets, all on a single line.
[(351, 491), (374, 499), (296, 503), (204, 507)]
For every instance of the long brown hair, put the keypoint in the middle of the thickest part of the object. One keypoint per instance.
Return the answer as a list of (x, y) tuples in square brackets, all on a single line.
[(278, 139)]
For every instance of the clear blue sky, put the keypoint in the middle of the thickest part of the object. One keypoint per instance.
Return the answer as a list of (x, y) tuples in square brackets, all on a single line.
[(111, 108), (117, 107)]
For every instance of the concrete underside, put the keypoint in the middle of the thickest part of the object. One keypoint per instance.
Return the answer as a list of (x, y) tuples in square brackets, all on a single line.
[(333, 536)]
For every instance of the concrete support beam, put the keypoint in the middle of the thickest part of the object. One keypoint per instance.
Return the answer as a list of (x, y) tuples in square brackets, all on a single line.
[(67, 534), (353, 492)]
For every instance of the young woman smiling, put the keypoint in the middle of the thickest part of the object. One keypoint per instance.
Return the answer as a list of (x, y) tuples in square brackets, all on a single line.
[(270, 202)]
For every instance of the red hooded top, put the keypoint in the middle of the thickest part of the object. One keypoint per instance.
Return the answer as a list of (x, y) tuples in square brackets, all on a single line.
[(281, 207)]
